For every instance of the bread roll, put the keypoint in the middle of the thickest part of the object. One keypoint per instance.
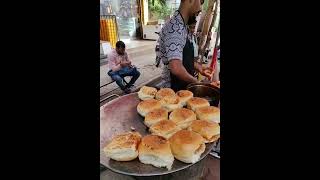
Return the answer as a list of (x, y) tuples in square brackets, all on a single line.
[(146, 106), (182, 117), (155, 116), (146, 92), (187, 146), (210, 131), (123, 147), (171, 102), (197, 102), (210, 113), (164, 92), (155, 150), (164, 128), (184, 95)]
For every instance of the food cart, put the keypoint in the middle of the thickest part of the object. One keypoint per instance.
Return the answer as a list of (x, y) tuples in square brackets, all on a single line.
[(120, 115)]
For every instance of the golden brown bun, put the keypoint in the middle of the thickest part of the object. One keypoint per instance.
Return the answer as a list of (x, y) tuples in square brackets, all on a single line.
[(146, 92), (155, 150), (171, 102), (184, 95), (214, 138), (197, 102), (164, 92), (210, 131), (187, 146), (164, 128), (210, 113), (123, 147), (182, 117), (155, 116), (146, 106)]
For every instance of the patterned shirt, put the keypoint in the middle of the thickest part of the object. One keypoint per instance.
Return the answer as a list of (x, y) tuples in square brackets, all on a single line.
[(172, 40)]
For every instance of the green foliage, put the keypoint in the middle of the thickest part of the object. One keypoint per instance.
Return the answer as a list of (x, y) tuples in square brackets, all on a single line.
[(159, 8), (205, 5)]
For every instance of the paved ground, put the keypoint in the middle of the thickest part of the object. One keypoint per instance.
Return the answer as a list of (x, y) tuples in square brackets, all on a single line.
[(144, 65), (148, 73), (143, 57)]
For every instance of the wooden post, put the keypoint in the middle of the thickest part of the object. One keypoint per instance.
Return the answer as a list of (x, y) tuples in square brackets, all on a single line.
[(205, 27)]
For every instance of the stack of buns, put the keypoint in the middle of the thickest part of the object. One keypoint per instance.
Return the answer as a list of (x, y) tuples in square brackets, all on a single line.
[(182, 134)]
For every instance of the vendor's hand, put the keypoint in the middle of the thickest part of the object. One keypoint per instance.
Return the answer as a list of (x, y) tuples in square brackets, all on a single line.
[(216, 83), (207, 72)]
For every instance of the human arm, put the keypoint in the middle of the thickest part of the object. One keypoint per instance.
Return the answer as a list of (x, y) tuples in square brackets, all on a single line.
[(112, 62), (205, 71), (173, 44), (177, 69), (125, 61)]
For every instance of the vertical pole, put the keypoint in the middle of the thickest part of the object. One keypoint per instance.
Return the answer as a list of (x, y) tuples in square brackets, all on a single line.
[(206, 27)]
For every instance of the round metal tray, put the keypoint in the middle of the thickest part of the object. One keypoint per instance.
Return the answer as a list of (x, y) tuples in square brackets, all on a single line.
[(119, 116)]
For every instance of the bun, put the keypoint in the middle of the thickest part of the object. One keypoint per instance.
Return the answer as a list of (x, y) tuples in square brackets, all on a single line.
[(187, 146), (146, 92), (164, 128), (155, 116), (184, 95), (123, 147), (171, 102), (155, 150), (164, 92), (210, 131), (197, 102), (210, 113), (146, 106), (182, 117)]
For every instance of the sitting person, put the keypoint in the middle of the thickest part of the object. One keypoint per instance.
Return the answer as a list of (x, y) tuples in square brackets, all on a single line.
[(120, 66)]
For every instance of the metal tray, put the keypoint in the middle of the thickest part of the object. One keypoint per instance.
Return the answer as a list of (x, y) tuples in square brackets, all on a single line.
[(207, 91), (119, 116)]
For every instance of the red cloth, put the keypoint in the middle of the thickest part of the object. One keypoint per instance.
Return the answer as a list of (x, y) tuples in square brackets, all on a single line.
[(214, 58)]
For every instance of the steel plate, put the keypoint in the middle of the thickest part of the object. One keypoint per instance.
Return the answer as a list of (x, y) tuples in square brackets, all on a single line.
[(119, 116)]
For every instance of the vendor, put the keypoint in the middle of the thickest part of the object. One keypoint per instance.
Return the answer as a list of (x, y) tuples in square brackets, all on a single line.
[(176, 48)]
